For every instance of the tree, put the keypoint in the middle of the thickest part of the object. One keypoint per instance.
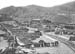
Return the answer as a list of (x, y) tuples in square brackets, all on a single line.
[(5, 17)]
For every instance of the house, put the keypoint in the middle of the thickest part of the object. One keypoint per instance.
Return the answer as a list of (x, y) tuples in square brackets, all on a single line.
[(46, 44), (69, 31), (72, 39), (36, 45), (60, 30), (35, 21), (49, 28), (46, 22), (52, 44), (70, 28), (42, 43), (32, 30), (38, 33), (56, 43)]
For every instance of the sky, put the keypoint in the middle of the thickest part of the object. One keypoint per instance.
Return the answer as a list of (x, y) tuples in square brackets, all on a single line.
[(45, 3)]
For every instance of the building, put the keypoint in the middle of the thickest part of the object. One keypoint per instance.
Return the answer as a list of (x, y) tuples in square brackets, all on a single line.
[(41, 42), (36, 45), (56, 43), (46, 44), (38, 33), (32, 30), (72, 39), (35, 21), (50, 28), (60, 30), (46, 22)]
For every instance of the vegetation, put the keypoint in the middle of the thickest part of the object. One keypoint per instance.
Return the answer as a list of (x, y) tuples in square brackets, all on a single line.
[(23, 15), (65, 11), (5, 17)]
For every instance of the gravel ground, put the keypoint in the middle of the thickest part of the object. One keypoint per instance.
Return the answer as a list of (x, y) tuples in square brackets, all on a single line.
[(3, 44), (62, 49)]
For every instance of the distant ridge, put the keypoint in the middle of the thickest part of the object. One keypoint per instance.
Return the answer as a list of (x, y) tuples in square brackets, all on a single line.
[(34, 11)]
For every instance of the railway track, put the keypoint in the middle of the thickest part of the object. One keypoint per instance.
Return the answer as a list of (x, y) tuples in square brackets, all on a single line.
[(70, 44)]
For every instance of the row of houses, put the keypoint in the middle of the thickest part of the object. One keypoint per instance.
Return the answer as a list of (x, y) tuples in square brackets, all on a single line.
[(66, 29), (42, 43), (39, 44)]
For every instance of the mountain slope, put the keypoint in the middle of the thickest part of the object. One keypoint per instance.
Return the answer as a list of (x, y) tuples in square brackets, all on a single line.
[(33, 11)]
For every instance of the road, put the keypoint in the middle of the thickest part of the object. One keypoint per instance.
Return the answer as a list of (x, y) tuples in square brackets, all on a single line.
[(63, 40), (46, 36)]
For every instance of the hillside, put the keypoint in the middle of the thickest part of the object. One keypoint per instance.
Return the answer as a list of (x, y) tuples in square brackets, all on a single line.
[(4, 17), (33, 11)]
